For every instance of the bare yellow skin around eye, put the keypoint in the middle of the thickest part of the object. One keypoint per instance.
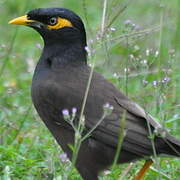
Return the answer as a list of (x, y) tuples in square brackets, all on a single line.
[(60, 24)]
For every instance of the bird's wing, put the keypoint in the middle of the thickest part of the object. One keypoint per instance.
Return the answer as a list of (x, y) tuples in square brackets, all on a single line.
[(101, 91), (137, 138), (137, 110)]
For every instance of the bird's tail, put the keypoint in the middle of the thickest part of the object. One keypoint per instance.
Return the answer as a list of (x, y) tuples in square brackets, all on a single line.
[(172, 146)]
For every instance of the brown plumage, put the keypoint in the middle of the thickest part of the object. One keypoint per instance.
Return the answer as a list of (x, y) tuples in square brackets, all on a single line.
[(60, 81)]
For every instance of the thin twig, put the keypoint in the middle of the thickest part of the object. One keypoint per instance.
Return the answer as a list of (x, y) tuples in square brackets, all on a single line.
[(120, 138), (137, 33), (116, 16), (132, 75), (160, 172), (22, 122), (86, 92), (103, 18), (172, 147), (94, 127), (86, 17), (126, 171), (6, 59)]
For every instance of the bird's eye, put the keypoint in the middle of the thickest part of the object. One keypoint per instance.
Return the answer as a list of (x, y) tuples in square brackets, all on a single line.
[(53, 21)]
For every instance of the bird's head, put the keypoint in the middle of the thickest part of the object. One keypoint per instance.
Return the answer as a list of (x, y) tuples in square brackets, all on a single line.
[(54, 24)]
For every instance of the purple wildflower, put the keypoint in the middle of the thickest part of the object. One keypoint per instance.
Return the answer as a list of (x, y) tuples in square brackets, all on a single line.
[(91, 41), (87, 49), (74, 110), (128, 22), (65, 113), (154, 83), (145, 82), (108, 108), (137, 27), (166, 80), (38, 46), (63, 157)]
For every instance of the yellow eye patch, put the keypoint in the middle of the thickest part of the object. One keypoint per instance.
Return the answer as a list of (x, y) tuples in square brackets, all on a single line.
[(61, 22)]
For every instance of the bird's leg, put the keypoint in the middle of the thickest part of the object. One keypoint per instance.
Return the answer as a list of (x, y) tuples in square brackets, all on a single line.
[(143, 170)]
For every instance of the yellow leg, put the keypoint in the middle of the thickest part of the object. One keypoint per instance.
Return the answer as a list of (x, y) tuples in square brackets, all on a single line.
[(143, 170)]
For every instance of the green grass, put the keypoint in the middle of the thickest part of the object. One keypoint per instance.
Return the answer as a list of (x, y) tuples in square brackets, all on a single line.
[(27, 150)]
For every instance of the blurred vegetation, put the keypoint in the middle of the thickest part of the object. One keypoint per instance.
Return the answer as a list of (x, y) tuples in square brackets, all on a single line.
[(139, 53)]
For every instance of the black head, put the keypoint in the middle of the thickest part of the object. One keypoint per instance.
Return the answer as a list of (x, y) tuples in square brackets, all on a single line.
[(55, 24)]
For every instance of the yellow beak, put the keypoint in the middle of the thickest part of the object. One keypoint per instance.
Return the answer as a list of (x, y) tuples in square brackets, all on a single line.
[(23, 20)]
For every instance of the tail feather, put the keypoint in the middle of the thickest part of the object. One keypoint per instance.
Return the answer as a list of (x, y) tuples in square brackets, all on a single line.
[(172, 146)]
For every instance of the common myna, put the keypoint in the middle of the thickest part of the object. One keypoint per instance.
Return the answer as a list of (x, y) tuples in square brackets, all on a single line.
[(60, 81)]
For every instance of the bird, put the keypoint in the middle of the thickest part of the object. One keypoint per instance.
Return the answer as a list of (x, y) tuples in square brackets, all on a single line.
[(60, 83)]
